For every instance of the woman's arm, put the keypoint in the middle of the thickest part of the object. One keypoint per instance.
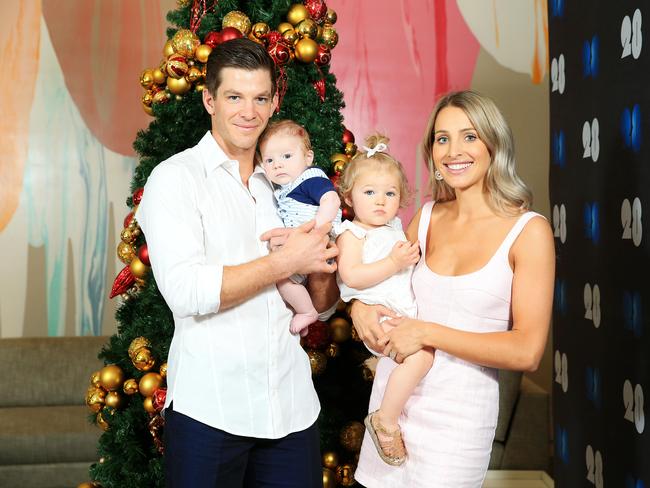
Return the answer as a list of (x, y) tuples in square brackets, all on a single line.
[(532, 299), (359, 275)]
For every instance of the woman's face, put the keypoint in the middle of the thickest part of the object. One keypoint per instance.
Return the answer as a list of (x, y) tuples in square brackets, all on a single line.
[(460, 156)]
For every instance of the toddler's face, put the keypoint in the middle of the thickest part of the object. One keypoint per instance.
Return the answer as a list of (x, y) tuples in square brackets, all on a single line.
[(375, 196), (284, 158)]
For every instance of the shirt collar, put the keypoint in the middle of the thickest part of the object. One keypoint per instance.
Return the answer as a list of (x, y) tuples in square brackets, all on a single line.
[(212, 154)]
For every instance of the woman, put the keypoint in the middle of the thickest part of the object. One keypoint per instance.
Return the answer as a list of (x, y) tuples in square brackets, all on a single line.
[(484, 288)]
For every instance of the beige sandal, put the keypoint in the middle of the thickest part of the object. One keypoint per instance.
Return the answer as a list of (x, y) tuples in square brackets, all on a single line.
[(392, 451)]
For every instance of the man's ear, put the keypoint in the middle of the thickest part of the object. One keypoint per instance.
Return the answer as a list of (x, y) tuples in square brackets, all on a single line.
[(274, 103), (208, 101), (309, 157)]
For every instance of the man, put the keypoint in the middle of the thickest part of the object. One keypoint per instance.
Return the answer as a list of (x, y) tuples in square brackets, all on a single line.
[(241, 407)]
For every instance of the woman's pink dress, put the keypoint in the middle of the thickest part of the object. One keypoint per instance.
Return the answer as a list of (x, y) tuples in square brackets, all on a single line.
[(448, 423)]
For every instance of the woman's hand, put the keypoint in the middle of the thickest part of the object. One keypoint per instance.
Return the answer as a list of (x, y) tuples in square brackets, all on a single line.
[(366, 322), (406, 338)]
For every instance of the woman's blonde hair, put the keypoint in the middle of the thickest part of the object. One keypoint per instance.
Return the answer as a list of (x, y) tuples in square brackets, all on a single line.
[(374, 158), (508, 193)]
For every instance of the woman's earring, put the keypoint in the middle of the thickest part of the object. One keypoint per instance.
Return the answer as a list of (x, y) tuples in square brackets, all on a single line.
[(437, 175)]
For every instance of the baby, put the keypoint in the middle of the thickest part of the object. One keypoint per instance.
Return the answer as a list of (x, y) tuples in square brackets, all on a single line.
[(303, 192)]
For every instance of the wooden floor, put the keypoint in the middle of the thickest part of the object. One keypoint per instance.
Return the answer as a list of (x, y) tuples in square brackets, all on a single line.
[(517, 479)]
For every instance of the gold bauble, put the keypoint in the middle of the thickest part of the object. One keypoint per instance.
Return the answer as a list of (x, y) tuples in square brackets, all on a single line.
[(130, 386), (178, 86), (161, 97), (185, 43), (238, 20), (317, 361), (146, 78), (95, 399), (306, 50), (143, 360), (126, 252), (202, 53), (259, 30), (114, 399), (333, 350), (149, 383), (297, 13), (330, 16), (176, 66), (111, 377), (284, 26), (258, 40), (350, 149), (307, 28), (340, 329), (351, 435), (148, 109), (200, 87), (94, 379), (338, 157), (137, 267), (183, 3), (291, 36), (194, 74), (329, 478), (345, 474), (148, 405), (168, 49), (330, 459), (128, 235), (319, 33), (136, 344), (163, 370), (329, 37), (367, 374), (339, 166), (87, 484), (158, 76), (147, 98)]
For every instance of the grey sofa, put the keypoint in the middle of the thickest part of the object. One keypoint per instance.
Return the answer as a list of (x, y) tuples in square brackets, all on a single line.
[(46, 440)]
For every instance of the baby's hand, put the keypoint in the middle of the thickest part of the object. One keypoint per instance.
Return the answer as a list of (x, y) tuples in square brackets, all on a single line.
[(405, 253)]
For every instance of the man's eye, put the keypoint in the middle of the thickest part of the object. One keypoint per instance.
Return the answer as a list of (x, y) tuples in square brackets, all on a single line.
[(262, 100), (233, 98)]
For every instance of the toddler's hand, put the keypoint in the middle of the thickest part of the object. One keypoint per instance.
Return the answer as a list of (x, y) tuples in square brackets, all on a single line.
[(405, 254)]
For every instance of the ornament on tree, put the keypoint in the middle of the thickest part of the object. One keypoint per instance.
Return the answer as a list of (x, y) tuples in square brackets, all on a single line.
[(238, 20), (317, 361), (137, 196), (279, 52), (348, 136), (329, 478), (130, 386), (158, 398), (291, 37), (317, 335), (143, 360), (297, 13), (156, 425), (319, 85), (176, 66), (202, 53), (212, 39), (230, 33), (317, 9), (340, 329), (168, 49), (324, 55), (329, 36), (147, 403), (178, 86), (146, 79), (136, 344), (111, 377), (306, 51), (94, 380), (185, 43), (333, 350), (339, 166), (88, 484), (330, 16), (143, 255), (351, 435), (347, 213), (138, 268), (350, 149), (149, 383), (158, 75), (161, 96), (345, 474), (260, 30), (163, 370), (95, 399), (114, 399), (307, 28), (330, 459)]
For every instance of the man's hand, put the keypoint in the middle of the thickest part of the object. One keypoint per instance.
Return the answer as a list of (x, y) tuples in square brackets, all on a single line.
[(307, 250), (366, 321), (276, 237), (404, 254)]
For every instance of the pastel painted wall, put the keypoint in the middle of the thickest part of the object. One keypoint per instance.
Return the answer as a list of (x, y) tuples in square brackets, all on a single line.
[(70, 119)]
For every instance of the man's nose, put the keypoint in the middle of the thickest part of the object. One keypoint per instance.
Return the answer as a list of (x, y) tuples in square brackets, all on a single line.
[(248, 109)]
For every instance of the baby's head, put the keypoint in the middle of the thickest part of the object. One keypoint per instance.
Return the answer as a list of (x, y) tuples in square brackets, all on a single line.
[(374, 183), (285, 151)]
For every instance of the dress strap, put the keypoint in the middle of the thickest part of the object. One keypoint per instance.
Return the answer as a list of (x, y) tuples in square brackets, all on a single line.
[(423, 227), (516, 230)]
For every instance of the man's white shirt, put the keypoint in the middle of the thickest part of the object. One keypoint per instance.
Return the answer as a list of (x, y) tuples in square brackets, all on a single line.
[(239, 370)]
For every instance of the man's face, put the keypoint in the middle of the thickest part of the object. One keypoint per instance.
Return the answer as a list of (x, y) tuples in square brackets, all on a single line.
[(240, 109)]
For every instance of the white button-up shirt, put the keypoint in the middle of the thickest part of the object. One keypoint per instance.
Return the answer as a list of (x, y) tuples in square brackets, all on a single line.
[(239, 370)]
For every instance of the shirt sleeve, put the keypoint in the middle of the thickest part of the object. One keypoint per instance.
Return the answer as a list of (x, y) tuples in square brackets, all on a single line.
[(169, 218), (312, 190)]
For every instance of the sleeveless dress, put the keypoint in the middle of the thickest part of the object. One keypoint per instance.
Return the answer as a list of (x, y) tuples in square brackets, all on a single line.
[(449, 421)]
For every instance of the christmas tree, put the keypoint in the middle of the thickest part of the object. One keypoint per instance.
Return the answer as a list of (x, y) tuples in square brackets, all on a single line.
[(126, 396)]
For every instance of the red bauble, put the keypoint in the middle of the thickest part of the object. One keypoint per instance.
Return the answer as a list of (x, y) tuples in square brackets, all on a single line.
[(158, 398), (274, 37), (319, 85), (347, 213), (137, 196), (335, 179), (324, 55), (123, 282), (318, 335), (128, 219), (143, 254), (212, 39), (347, 136), (317, 9), (230, 33), (280, 53)]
